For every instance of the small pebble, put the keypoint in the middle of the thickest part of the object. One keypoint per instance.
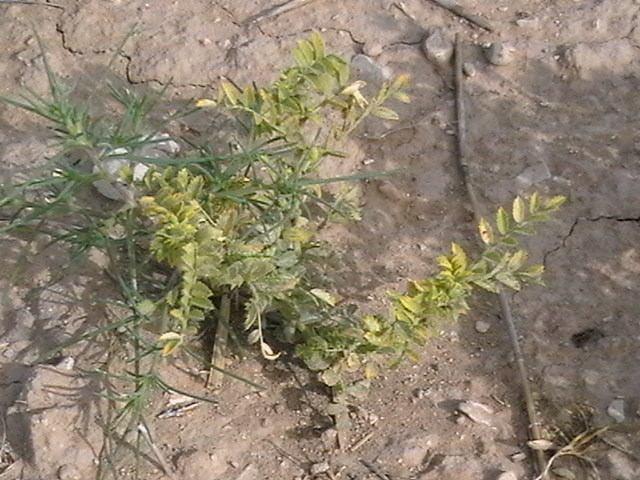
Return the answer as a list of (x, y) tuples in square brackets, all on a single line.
[(318, 468), (469, 69), (518, 457), (500, 54), (482, 326), (477, 412), (438, 48), (616, 410), (507, 476)]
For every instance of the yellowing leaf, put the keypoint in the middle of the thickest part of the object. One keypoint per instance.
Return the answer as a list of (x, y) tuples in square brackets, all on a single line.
[(517, 260), (205, 102), (371, 371), (230, 91), (402, 97), (459, 256), (486, 232), (297, 234), (519, 210), (385, 113), (400, 81), (318, 44), (171, 341), (555, 202), (353, 88), (502, 221), (267, 352), (323, 295), (534, 202)]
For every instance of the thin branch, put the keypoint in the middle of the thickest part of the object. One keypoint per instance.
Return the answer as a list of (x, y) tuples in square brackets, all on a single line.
[(40, 4), (462, 12), (534, 425), (275, 11)]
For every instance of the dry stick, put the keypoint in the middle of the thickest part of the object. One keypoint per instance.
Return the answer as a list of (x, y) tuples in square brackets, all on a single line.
[(276, 11), (220, 342), (26, 2), (461, 12), (534, 426)]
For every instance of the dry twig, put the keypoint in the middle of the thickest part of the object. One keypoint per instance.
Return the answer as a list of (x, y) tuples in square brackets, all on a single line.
[(534, 425), (276, 11), (460, 11)]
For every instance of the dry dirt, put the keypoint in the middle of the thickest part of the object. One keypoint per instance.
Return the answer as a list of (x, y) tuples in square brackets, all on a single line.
[(561, 118)]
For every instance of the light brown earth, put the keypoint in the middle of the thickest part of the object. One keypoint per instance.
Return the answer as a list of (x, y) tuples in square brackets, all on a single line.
[(561, 118)]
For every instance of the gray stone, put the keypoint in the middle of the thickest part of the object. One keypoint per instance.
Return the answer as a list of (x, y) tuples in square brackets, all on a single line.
[(366, 68), (518, 457), (500, 53), (482, 326), (437, 47), (478, 412), (320, 467), (527, 22), (616, 410), (329, 438), (469, 69), (507, 476)]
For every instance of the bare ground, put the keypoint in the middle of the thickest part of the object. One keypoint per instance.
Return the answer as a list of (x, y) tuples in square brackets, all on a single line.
[(561, 118)]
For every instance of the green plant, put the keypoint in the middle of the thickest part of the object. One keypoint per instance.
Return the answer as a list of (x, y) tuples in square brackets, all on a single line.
[(231, 242), (347, 345)]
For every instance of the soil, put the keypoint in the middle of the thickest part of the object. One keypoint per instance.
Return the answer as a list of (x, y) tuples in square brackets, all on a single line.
[(561, 118)]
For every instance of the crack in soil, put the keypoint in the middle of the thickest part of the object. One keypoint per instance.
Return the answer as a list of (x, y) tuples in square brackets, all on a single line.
[(565, 238), (63, 38)]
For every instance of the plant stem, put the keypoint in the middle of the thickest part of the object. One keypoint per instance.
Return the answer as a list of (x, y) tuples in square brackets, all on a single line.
[(220, 342)]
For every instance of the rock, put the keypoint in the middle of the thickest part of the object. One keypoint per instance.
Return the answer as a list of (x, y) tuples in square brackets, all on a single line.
[(65, 363), (111, 187), (500, 53), (320, 467), (437, 47), (507, 476), (533, 174), (527, 22), (411, 451), (159, 145), (469, 69), (478, 412), (518, 457), (366, 68), (329, 438), (620, 466), (482, 326), (616, 410)]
